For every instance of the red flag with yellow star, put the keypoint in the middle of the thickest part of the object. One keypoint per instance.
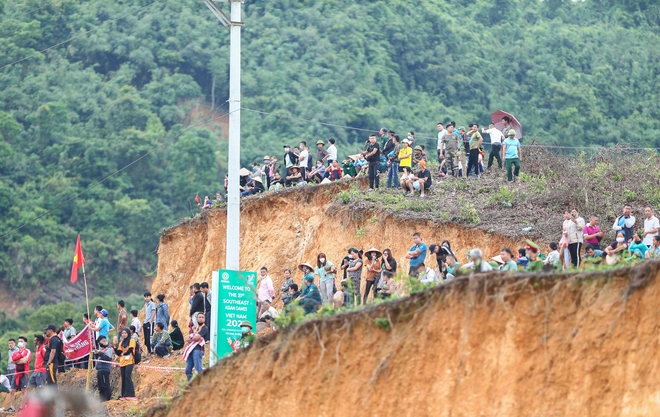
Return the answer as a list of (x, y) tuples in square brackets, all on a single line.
[(78, 261)]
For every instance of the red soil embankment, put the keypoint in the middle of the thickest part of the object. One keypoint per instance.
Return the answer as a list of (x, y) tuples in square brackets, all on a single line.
[(282, 230), (486, 345)]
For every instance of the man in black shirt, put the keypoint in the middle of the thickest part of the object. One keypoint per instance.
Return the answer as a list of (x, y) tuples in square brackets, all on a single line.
[(197, 305), (421, 182), (52, 355), (372, 155)]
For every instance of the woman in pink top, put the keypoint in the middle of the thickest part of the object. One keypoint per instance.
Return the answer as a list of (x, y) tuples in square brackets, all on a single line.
[(592, 232)]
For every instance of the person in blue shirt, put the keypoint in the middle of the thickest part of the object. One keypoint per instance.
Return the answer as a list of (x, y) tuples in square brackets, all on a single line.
[(417, 254), (104, 326), (511, 155), (310, 299)]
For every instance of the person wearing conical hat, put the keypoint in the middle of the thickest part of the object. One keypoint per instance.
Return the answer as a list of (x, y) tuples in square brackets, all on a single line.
[(535, 264), (373, 271), (293, 176), (290, 159)]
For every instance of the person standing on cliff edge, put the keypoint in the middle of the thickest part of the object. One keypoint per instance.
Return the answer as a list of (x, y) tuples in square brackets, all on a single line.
[(417, 255), (266, 289)]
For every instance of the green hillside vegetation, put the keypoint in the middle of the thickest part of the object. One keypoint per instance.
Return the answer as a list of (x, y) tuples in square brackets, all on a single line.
[(575, 73)]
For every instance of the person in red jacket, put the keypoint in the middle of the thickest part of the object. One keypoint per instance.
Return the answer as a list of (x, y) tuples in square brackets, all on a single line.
[(22, 360)]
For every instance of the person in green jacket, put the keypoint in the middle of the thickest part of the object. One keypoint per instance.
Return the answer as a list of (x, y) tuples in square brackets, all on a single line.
[(161, 343), (636, 247), (535, 264), (310, 299)]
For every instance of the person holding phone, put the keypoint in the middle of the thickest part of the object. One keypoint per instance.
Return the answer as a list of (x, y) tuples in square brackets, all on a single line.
[(575, 236)]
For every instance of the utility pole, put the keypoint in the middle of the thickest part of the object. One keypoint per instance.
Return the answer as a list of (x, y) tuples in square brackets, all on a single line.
[(234, 23), (232, 248)]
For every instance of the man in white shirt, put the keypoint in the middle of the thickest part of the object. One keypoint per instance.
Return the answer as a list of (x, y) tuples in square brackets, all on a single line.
[(267, 309), (441, 133), (332, 151), (495, 144), (303, 158), (651, 227), (429, 276)]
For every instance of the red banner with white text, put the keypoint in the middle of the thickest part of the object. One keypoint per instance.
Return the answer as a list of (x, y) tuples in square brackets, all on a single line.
[(79, 346)]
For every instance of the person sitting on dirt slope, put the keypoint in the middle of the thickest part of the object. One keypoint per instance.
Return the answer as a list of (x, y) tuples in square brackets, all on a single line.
[(176, 336), (654, 251), (390, 287), (451, 267), (616, 249), (310, 299), (592, 256), (161, 343), (522, 260), (636, 247), (284, 288), (294, 293), (477, 262)]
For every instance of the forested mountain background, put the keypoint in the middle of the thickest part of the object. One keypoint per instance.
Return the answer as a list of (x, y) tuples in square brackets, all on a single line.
[(139, 74)]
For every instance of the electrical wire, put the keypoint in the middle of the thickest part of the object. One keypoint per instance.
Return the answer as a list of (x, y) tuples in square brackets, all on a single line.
[(299, 119), (207, 119), (27, 13), (132, 12)]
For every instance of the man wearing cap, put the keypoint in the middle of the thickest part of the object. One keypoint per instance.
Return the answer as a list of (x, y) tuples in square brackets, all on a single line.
[(310, 298), (449, 150), (512, 155), (321, 153), (372, 154), (53, 351), (104, 326), (495, 144), (382, 134), (290, 159), (247, 337), (535, 264), (475, 143), (418, 155)]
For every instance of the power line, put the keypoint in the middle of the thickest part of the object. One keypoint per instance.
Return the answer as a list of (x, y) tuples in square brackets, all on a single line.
[(208, 118), (80, 35), (26, 13), (299, 119)]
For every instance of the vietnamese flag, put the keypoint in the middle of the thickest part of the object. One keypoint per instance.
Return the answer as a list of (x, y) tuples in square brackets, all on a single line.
[(78, 261), (197, 198)]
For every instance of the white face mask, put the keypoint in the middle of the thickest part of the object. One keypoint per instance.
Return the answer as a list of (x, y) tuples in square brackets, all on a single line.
[(322, 260), (409, 137), (20, 345), (620, 239), (287, 149)]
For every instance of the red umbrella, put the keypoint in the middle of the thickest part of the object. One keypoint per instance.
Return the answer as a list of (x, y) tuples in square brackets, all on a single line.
[(497, 119)]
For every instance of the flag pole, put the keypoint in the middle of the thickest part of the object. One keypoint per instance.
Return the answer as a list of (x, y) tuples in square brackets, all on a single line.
[(89, 362)]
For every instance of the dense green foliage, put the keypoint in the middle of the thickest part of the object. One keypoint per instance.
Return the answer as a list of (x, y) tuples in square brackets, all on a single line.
[(577, 73)]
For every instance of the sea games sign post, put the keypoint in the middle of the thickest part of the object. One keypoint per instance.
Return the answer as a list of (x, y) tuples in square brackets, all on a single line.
[(234, 300)]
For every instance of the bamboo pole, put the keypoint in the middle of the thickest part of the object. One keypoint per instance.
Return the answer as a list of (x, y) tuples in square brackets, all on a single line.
[(89, 362)]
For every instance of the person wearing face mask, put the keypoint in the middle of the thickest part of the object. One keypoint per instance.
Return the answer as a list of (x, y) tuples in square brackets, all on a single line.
[(195, 349), (104, 354), (246, 339), (614, 250), (22, 360), (326, 271)]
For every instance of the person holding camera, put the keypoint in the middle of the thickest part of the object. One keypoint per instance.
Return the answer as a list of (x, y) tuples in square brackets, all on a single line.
[(575, 236)]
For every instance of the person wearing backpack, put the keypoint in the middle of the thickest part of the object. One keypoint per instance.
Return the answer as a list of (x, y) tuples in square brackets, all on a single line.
[(54, 355), (126, 350)]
